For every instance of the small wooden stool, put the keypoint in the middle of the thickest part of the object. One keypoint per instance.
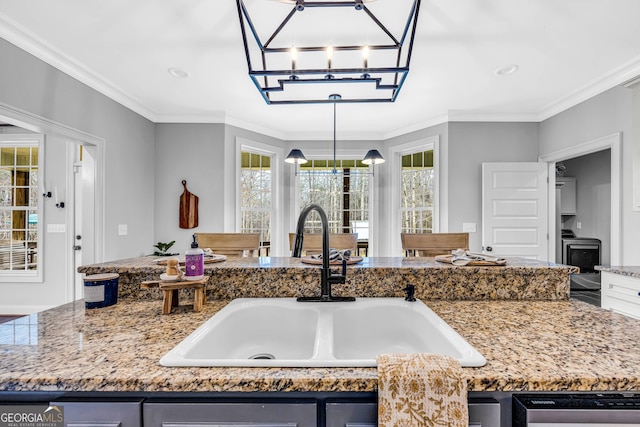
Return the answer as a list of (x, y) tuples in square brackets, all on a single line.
[(170, 290)]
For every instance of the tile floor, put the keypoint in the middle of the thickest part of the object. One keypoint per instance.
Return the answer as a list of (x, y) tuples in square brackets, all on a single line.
[(591, 297)]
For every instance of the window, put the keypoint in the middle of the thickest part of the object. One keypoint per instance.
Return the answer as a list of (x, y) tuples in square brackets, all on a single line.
[(344, 195), (417, 192), (19, 197), (255, 200)]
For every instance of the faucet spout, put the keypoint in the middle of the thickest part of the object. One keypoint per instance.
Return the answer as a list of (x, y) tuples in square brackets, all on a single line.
[(326, 276)]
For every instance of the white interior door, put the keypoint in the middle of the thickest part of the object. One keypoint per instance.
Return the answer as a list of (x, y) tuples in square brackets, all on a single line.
[(82, 187), (515, 209)]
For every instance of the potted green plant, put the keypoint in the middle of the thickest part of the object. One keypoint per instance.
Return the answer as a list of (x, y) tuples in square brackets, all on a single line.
[(163, 248)]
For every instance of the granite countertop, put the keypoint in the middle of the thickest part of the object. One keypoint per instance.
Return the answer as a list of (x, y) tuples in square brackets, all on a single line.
[(254, 277), (631, 271), (529, 345)]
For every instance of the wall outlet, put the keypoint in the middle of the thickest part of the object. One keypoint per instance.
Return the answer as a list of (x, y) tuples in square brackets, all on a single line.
[(56, 228), (122, 229), (578, 225), (469, 227)]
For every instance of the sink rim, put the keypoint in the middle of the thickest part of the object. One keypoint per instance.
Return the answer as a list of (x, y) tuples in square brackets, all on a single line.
[(322, 355)]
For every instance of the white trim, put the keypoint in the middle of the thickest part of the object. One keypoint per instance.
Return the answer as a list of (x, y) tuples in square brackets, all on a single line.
[(23, 309), (30, 42), (69, 207), (212, 117), (435, 121), (616, 77), (613, 142), (279, 245), (479, 116), (395, 164)]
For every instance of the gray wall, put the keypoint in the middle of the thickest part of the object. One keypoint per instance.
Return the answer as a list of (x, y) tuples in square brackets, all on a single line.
[(593, 197), (30, 85), (470, 145), (191, 152), (602, 115)]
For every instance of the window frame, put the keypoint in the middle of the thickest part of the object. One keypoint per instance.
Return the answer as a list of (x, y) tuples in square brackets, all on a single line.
[(29, 140), (395, 170), (278, 239)]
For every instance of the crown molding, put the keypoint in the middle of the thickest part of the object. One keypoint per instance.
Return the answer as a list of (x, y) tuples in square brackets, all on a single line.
[(28, 41), (25, 39), (213, 117), (470, 116), (618, 76), (438, 120)]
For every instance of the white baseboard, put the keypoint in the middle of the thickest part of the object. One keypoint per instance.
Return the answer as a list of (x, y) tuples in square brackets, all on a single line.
[(22, 309)]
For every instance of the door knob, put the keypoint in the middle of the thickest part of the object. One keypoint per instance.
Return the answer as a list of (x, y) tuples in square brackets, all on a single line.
[(489, 249), (77, 247)]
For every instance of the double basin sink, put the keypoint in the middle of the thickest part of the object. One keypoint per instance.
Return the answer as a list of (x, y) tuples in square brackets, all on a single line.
[(281, 332)]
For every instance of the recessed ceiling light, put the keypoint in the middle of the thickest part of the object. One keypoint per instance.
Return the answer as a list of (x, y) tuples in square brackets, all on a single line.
[(178, 72), (507, 69)]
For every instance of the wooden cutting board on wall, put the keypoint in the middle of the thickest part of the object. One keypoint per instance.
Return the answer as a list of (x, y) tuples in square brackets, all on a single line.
[(188, 208)]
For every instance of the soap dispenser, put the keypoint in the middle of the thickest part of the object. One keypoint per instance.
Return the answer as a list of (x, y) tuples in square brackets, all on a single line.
[(194, 262)]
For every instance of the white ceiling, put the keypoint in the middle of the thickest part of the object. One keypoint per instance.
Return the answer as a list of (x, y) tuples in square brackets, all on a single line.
[(567, 51)]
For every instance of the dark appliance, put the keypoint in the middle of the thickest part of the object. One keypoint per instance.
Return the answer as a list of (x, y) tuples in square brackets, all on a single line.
[(582, 252), (576, 409)]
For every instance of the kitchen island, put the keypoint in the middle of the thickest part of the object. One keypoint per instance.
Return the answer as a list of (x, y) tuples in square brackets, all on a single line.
[(519, 317), (532, 338), (529, 345)]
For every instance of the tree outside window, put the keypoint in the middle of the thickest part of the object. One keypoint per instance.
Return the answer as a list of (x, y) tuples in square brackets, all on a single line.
[(417, 192), (344, 195), (255, 195)]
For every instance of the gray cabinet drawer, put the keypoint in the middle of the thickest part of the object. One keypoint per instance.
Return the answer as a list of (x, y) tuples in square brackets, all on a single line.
[(204, 414), (482, 413), (101, 413), (343, 414)]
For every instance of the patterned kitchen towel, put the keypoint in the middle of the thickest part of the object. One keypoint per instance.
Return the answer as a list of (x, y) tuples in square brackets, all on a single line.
[(421, 390)]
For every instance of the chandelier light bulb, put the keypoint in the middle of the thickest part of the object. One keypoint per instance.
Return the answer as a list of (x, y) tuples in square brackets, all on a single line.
[(294, 57), (365, 56)]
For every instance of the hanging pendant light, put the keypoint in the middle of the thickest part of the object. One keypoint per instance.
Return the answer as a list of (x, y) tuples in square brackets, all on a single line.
[(296, 157), (373, 157)]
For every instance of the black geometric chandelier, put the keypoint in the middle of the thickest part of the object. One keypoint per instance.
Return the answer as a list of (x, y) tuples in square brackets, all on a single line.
[(300, 52)]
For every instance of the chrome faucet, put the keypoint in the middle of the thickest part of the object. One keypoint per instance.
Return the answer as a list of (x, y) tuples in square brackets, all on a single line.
[(327, 278)]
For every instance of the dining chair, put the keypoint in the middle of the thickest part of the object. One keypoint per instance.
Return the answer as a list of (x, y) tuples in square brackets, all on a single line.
[(432, 244), (230, 244), (312, 244)]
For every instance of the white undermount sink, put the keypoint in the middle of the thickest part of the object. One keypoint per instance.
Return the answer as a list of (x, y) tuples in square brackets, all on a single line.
[(282, 332)]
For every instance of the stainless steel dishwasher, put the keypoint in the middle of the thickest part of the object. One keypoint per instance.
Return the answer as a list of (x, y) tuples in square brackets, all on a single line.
[(576, 409)]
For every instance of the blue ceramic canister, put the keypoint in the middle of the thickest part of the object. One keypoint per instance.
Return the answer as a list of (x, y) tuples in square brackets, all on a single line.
[(101, 290)]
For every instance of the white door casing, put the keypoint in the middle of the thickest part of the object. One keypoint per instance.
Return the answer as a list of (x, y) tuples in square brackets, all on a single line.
[(515, 209)]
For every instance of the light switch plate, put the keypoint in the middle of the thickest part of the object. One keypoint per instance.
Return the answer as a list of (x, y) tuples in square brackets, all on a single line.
[(56, 228), (469, 227), (122, 229)]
